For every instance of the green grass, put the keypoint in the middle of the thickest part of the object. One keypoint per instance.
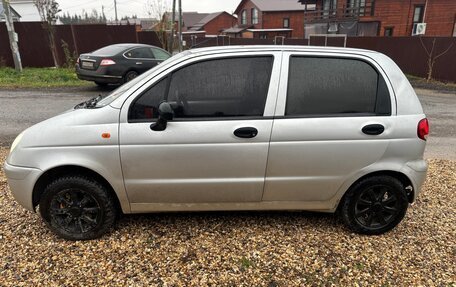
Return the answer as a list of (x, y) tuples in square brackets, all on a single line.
[(40, 78)]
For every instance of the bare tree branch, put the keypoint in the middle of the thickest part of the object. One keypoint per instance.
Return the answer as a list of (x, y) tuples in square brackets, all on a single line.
[(424, 46), (158, 9), (431, 58), (48, 10), (444, 52)]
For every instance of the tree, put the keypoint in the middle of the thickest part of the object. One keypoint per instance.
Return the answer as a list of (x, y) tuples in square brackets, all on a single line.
[(48, 10), (432, 56), (93, 18), (12, 35), (159, 9)]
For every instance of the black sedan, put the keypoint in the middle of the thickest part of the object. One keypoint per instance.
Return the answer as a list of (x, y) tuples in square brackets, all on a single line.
[(119, 63)]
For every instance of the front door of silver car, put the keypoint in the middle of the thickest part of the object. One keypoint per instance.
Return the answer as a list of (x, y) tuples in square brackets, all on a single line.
[(216, 146)]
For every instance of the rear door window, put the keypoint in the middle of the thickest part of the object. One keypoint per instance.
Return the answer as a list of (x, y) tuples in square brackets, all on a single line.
[(335, 87), (140, 53)]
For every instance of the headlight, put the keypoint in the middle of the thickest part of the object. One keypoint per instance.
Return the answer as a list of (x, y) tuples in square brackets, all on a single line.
[(16, 141)]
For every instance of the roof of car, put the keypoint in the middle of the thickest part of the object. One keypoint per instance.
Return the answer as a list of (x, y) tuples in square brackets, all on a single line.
[(259, 48), (131, 45)]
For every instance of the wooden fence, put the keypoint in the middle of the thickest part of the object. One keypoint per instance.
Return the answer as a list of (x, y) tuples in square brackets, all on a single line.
[(408, 52)]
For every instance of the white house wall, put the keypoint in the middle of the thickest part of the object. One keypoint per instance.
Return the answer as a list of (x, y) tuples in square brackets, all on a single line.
[(27, 10)]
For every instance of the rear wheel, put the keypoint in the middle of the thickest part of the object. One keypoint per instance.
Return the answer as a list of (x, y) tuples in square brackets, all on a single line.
[(374, 205), (77, 208), (130, 75)]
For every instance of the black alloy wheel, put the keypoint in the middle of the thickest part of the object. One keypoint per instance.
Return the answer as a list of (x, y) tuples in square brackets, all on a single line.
[(130, 76), (75, 211), (374, 205), (78, 208)]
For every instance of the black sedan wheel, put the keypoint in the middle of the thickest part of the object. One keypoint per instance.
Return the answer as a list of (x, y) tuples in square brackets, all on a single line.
[(130, 76), (77, 208), (374, 205)]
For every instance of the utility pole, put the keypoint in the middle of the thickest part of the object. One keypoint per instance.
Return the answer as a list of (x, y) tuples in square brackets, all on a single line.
[(173, 23), (115, 9), (180, 25), (12, 36)]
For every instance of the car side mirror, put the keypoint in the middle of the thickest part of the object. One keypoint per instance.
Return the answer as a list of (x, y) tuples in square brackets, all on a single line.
[(165, 114)]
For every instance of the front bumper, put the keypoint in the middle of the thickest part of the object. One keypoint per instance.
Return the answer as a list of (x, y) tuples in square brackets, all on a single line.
[(21, 181)]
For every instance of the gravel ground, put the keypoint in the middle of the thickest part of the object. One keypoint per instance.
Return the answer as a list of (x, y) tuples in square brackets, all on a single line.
[(238, 249)]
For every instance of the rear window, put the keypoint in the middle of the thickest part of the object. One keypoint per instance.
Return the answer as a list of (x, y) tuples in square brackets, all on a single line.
[(109, 50), (335, 86)]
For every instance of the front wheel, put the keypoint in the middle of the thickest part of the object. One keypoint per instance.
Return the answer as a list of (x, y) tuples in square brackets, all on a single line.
[(77, 208), (374, 205)]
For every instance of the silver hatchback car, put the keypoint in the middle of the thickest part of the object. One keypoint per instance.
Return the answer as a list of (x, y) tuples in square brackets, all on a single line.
[(237, 128)]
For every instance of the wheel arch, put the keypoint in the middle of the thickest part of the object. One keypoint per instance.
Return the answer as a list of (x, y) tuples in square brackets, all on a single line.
[(65, 170), (403, 178)]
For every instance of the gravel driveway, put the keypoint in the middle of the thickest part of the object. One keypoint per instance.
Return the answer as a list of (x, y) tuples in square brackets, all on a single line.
[(238, 248), (235, 248)]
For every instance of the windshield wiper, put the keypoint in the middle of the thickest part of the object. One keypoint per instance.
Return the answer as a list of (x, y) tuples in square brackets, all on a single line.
[(90, 104)]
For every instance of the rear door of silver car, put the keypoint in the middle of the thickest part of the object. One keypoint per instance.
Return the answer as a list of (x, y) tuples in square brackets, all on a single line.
[(333, 119)]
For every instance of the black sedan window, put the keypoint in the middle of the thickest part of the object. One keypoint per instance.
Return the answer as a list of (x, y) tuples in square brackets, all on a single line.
[(140, 53), (109, 50), (160, 54)]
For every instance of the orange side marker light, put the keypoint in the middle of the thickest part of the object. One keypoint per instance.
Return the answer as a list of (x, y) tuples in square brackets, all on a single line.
[(106, 135)]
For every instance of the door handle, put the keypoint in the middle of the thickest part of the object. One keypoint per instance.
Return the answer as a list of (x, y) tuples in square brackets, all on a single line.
[(373, 130), (138, 63), (246, 133)]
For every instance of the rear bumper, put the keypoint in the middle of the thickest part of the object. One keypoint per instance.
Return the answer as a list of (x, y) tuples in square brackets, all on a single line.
[(416, 171), (21, 181), (97, 76)]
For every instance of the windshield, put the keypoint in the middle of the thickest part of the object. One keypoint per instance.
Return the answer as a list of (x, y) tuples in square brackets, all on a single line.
[(125, 87)]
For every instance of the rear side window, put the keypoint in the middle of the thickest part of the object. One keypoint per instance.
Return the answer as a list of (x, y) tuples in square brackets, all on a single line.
[(335, 86), (231, 87), (109, 50), (160, 54)]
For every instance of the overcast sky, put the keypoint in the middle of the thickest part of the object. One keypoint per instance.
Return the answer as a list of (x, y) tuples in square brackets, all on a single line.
[(138, 7)]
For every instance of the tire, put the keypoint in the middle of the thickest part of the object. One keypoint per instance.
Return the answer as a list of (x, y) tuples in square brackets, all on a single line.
[(77, 208), (374, 205), (101, 84), (130, 75)]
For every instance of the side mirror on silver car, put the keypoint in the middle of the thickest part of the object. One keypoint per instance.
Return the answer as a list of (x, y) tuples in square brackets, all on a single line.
[(165, 114)]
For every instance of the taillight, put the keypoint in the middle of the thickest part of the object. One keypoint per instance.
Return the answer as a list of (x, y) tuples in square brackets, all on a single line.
[(423, 129), (107, 62)]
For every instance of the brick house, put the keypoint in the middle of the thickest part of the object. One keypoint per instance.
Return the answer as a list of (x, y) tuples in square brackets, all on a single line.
[(301, 18), (270, 18), (382, 17), (205, 23), (214, 23)]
